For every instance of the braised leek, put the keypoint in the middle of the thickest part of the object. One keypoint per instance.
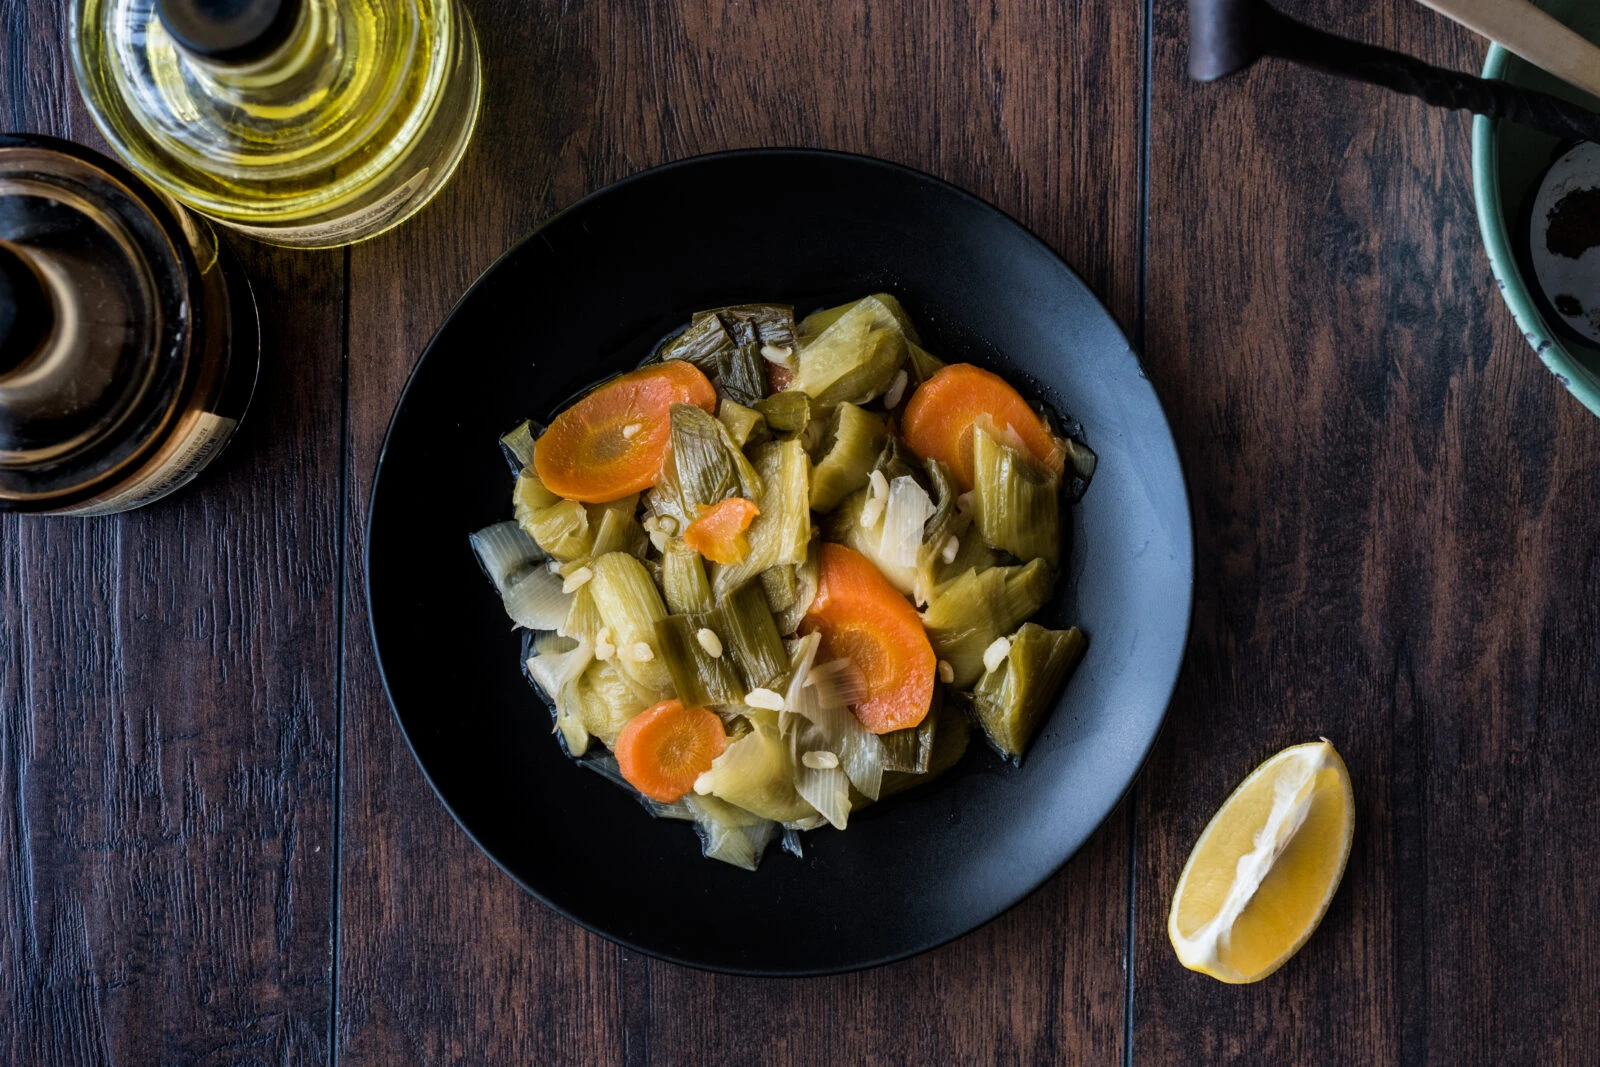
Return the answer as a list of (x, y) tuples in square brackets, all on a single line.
[(966, 615), (1013, 698), (849, 450), (1018, 504)]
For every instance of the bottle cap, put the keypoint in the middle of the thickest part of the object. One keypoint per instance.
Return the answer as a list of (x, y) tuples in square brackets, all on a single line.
[(229, 31), (25, 309)]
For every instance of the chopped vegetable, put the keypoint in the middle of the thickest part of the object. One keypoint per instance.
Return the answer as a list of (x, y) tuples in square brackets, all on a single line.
[(664, 749), (952, 731), (1014, 696), (607, 699), (629, 607), (699, 675), (518, 444), (940, 416), (1018, 503), (745, 426), (506, 552), (683, 579), (718, 534), (751, 676), (855, 358), (967, 614), (864, 619), (782, 530), (756, 773), (704, 466), (786, 412), (850, 448), (611, 443)]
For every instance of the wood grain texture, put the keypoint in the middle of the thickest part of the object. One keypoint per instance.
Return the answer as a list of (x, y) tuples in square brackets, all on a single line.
[(1395, 507), (1033, 105), (167, 709)]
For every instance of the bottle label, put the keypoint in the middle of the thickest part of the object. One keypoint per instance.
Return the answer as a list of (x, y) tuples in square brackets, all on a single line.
[(185, 455)]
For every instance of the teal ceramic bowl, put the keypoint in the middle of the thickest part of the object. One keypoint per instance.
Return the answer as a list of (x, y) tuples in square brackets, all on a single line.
[(1507, 162)]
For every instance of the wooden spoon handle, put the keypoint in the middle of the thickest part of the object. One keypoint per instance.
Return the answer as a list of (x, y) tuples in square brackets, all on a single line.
[(1531, 33)]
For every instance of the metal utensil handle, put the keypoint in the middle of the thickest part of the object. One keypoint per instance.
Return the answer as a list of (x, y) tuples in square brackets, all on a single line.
[(1227, 35)]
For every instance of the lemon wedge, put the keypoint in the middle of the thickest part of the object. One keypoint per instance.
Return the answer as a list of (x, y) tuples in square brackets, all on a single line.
[(1262, 874)]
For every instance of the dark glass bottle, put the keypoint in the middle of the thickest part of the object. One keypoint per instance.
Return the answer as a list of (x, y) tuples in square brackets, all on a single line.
[(128, 338)]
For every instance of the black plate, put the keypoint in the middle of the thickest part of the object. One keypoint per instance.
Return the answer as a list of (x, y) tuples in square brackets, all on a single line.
[(586, 296)]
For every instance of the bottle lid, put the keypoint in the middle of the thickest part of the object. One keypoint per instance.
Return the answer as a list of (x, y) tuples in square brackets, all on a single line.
[(229, 31), (99, 308)]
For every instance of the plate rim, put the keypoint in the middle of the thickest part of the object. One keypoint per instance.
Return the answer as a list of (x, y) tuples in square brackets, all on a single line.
[(584, 202)]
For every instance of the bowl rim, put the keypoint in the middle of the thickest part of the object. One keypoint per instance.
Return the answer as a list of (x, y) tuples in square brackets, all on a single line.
[(1571, 372), (1188, 541)]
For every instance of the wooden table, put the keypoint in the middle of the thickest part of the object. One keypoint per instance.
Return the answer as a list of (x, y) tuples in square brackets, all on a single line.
[(215, 847)]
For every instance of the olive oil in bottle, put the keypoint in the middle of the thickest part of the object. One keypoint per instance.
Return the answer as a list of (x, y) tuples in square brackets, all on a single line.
[(308, 123), (128, 338)]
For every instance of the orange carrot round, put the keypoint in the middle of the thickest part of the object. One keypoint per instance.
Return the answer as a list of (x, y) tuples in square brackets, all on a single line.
[(612, 442), (864, 619), (939, 416), (663, 749), (718, 534)]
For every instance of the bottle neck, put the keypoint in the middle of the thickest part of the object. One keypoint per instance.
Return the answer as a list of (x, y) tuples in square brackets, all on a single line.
[(292, 75)]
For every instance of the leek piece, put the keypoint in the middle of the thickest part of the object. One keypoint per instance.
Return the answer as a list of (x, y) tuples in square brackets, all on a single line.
[(807, 578), (821, 784), (921, 363), (701, 680), (536, 600), (896, 460), (773, 324), (555, 669), (518, 444), (966, 615), (743, 374), (756, 773), (786, 412), (562, 530), (745, 426), (1083, 461), (505, 552), (850, 449), (683, 579), (705, 465), (528, 497), (780, 586), (903, 518), (816, 322), (750, 637), (1013, 700), (782, 531), (616, 529), (855, 358), (1018, 504), (951, 735), (700, 343), (606, 699), (583, 620), (729, 833), (843, 526), (629, 607), (909, 750)]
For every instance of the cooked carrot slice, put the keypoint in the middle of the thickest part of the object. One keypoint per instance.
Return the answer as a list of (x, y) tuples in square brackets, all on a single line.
[(718, 534), (663, 749), (864, 619), (939, 416), (612, 442)]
